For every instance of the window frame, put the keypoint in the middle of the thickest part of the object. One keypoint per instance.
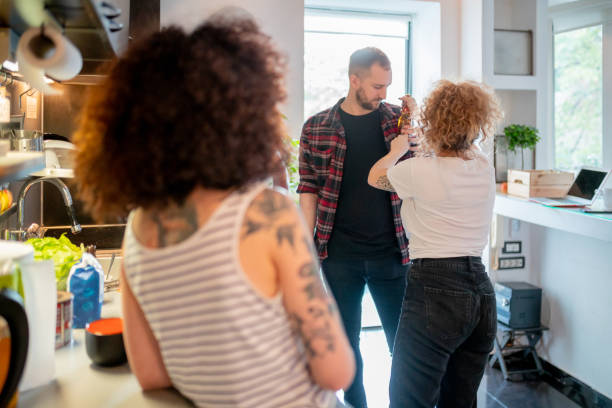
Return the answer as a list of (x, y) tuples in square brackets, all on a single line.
[(404, 17), (566, 18), (554, 106)]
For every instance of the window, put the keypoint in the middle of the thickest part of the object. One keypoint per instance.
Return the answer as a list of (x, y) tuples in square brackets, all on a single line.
[(330, 37), (578, 97)]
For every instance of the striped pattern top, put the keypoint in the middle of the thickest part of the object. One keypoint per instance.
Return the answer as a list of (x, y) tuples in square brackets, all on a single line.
[(223, 344), (322, 152)]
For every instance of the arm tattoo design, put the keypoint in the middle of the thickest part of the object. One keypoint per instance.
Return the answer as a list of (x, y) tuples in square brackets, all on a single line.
[(266, 210), (176, 224), (384, 184), (271, 205), (315, 326), (285, 233)]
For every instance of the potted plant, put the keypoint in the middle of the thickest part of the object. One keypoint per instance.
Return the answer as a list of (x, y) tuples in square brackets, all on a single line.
[(521, 136)]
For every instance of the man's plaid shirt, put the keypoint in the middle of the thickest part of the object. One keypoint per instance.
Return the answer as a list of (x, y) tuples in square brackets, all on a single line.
[(322, 150)]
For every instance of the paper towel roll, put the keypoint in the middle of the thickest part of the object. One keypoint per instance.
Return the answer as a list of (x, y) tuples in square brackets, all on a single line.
[(41, 308), (48, 53)]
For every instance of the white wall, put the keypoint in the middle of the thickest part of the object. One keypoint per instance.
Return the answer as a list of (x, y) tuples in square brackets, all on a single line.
[(282, 20), (575, 273), (471, 40)]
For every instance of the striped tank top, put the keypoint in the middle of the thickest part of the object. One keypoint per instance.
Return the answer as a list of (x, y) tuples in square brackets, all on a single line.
[(222, 343)]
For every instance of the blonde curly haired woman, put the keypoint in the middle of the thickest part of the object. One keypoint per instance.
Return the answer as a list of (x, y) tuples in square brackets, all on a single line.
[(448, 320)]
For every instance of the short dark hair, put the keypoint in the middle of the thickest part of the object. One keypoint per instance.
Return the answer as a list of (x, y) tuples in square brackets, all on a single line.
[(361, 60), (178, 111)]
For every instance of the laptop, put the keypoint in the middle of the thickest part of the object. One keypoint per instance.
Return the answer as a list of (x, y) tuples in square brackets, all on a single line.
[(583, 190)]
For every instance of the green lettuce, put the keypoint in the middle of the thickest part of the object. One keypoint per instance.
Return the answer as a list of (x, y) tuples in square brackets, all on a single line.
[(63, 253)]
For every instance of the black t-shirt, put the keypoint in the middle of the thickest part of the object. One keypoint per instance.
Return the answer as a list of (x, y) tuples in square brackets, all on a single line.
[(363, 226)]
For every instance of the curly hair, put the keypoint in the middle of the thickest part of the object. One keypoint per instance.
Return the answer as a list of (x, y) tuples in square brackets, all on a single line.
[(455, 115), (179, 111)]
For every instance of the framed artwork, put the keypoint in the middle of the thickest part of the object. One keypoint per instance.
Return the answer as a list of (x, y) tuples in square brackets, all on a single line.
[(513, 52)]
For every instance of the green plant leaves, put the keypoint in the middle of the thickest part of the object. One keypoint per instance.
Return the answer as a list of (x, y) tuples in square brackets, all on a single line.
[(525, 137)]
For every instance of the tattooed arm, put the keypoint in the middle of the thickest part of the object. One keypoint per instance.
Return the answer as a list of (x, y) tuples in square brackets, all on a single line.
[(378, 173), (273, 224)]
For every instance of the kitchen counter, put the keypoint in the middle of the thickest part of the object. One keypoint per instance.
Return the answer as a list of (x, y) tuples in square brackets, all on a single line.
[(80, 383), (572, 220)]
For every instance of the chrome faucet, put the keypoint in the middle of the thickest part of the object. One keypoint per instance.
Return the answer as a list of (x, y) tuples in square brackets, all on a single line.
[(21, 233)]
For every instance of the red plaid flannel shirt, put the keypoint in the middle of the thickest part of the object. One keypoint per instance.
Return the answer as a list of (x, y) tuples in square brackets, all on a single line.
[(322, 150)]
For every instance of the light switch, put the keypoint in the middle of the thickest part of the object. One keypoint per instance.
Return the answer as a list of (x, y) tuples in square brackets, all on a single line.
[(516, 262), (511, 247)]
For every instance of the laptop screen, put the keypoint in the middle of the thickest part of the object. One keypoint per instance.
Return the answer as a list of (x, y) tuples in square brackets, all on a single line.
[(586, 183)]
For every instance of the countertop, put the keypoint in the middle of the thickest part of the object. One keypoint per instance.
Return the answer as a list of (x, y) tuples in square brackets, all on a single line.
[(565, 219), (80, 383)]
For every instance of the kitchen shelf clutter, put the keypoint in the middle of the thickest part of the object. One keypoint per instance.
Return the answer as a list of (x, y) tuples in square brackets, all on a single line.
[(8, 212), (17, 165)]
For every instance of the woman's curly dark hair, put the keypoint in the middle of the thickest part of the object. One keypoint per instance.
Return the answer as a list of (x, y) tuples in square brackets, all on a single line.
[(179, 111)]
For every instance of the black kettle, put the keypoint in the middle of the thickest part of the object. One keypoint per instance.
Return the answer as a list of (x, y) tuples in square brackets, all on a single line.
[(13, 312)]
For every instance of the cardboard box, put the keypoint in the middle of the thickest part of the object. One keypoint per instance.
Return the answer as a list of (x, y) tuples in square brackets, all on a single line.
[(539, 183)]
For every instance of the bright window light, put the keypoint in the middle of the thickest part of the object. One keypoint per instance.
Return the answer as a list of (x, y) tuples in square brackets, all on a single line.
[(578, 98), (330, 37)]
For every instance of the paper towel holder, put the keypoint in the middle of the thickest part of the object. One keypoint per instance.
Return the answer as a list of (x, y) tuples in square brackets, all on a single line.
[(42, 44), (30, 91)]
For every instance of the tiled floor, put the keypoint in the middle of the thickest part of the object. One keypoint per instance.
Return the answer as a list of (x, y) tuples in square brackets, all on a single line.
[(494, 392)]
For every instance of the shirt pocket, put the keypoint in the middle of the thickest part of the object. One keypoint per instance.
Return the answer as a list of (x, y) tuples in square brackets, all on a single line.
[(321, 158)]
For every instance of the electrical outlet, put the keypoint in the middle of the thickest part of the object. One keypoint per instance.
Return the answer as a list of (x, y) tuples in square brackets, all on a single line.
[(515, 262), (511, 247)]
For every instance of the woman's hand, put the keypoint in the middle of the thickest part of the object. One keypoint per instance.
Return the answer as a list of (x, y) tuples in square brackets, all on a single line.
[(400, 145), (411, 133)]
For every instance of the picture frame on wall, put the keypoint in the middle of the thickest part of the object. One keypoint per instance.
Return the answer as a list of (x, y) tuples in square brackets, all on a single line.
[(513, 52)]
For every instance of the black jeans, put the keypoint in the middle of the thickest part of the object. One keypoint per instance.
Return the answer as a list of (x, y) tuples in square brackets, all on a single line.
[(386, 279), (445, 335)]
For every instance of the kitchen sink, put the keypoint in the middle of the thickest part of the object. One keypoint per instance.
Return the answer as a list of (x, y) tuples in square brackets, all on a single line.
[(111, 265), (108, 236)]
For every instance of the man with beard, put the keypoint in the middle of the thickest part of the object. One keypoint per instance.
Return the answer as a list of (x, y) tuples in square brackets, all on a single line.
[(357, 229)]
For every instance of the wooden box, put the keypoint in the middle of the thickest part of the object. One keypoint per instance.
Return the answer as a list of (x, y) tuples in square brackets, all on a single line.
[(539, 183)]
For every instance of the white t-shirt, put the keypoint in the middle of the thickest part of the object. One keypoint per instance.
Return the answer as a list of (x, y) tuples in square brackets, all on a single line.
[(447, 204)]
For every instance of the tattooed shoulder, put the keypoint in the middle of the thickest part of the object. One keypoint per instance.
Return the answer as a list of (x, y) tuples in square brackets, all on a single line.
[(176, 224), (384, 184), (271, 204), (268, 212)]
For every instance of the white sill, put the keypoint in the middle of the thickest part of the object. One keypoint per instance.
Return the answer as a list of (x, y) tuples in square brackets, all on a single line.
[(565, 219)]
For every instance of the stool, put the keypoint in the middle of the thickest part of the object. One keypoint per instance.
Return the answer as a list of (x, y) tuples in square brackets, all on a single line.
[(508, 334)]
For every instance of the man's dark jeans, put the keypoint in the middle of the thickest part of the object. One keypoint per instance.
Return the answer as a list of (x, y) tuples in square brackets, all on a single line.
[(445, 335), (386, 279)]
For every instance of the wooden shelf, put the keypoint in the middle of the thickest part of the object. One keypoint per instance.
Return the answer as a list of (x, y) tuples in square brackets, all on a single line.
[(18, 165)]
